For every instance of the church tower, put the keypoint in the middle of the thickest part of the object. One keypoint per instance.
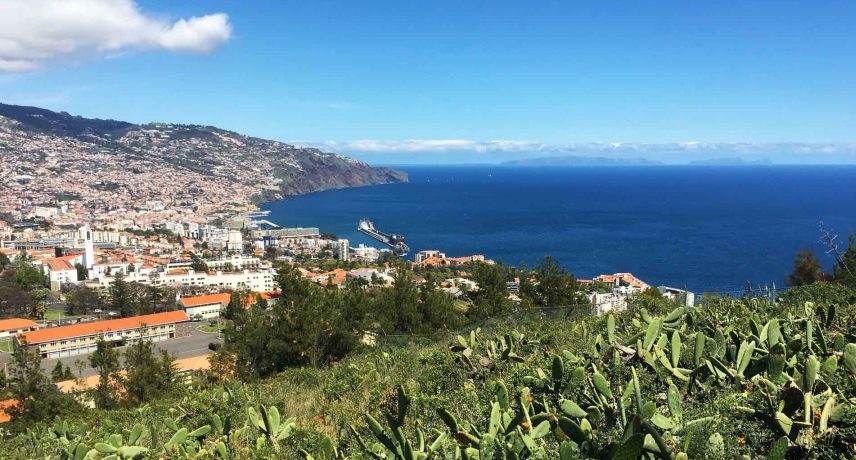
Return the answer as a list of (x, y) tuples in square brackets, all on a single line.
[(89, 250)]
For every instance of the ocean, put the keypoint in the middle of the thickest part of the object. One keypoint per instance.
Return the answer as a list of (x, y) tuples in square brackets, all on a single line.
[(710, 229)]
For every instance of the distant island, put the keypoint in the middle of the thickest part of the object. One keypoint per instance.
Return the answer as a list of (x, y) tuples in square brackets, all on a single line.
[(731, 161), (575, 160)]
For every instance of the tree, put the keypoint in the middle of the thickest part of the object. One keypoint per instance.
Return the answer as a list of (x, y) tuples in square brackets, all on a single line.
[(120, 296), (845, 266), (82, 299), (223, 366), (14, 301), (399, 303), (58, 372), (149, 376), (4, 261), (106, 360), (235, 307), (806, 269), (28, 276), (82, 272), (4, 385), (198, 264), (550, 285), (438, 308), (491, 298), (37, 398)]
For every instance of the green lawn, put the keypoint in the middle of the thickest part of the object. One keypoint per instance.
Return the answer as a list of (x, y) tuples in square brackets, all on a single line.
[(212, 328), (56, 314), (6, 345)]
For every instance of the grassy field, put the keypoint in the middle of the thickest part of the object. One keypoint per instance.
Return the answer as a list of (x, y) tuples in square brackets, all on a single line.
[(211, 327), (6, 345), (56, 314)]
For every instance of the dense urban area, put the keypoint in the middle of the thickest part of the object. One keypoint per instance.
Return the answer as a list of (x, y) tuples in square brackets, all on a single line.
[(152, 311)]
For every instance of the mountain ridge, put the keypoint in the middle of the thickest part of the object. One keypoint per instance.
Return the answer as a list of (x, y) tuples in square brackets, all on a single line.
[(265, 169)]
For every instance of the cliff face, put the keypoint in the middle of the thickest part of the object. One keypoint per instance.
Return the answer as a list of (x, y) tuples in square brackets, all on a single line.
[(256, 169)]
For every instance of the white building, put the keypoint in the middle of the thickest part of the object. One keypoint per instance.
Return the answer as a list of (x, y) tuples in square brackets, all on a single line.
[(344, 250), (429, 254), (369, 275), (204, 306), (608, 302), (61, 270), (685, 298), (14, 326), (364, 253), (231, 262), (235, 243), (261, 280)]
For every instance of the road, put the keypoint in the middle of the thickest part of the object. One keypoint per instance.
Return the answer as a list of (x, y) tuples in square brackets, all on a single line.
[(195, 344)]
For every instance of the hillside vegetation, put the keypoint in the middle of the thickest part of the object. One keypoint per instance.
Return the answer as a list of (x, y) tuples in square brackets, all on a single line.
[(733, 377)]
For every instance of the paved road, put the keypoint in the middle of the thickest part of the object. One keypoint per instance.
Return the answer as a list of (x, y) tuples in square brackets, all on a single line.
[(185, 347)]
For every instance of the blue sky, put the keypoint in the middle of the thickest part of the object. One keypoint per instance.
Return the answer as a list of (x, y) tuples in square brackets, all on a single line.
[(538, 73)]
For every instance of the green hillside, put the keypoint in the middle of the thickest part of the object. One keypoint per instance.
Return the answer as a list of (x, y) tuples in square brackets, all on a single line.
[(733, 377)]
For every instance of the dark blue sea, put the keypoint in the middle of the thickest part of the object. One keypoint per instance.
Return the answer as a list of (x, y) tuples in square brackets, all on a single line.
[(706, 228)]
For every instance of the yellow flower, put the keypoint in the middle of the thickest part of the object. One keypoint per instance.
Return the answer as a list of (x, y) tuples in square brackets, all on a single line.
[(741, 440)]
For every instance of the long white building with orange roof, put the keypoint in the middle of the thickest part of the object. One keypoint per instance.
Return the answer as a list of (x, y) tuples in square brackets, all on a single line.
[(58, 342)]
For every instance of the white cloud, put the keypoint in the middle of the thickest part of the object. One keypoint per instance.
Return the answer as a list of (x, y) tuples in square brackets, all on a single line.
[(35, 32), (610, 148), (430, 145)]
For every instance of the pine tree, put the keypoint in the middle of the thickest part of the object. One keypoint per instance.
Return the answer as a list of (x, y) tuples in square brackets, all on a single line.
[(37, 397), (149, 376), (806, 269), (120, 296), (845, 267), (58, 372), (106, 360)]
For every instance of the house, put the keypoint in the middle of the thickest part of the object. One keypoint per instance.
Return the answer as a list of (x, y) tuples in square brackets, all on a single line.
[(204, 306), (617, 280), (453, 261), (429, 254), (83, 338), (14, 326), (61, 270), (684, 297)]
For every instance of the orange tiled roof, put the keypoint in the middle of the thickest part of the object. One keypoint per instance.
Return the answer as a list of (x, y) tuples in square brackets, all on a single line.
[(14, 324), (84, 329), (56, 264), (269, 295), (195, 363), (205, 299), (5, 404)]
